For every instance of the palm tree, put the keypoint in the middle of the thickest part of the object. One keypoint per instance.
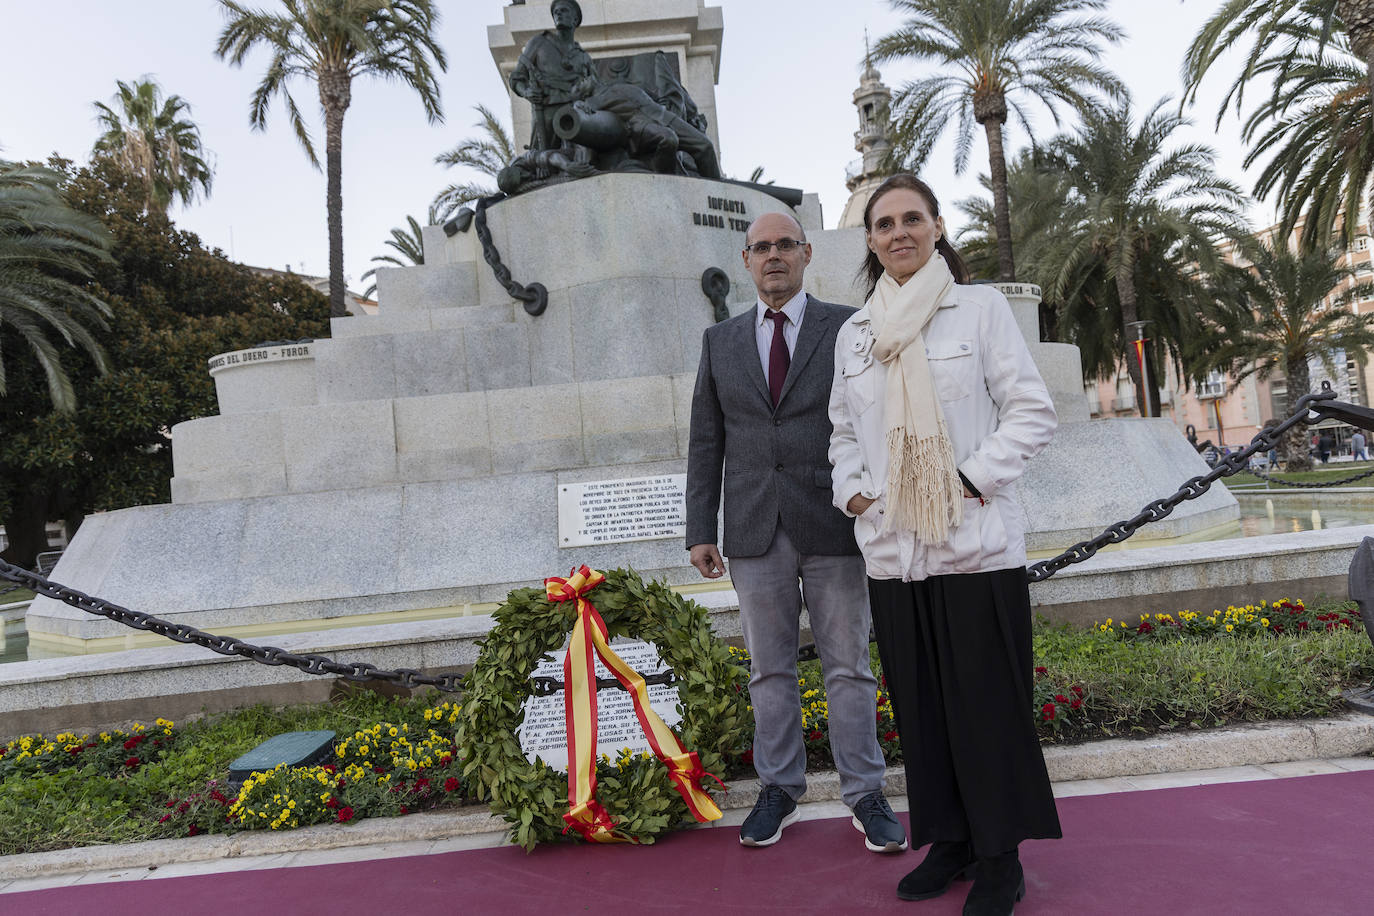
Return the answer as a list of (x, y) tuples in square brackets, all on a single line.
[(992, 52), (1274, 22), (1082, 306), (46, 250), (1132, 203), (1036, 199), (409, 245), (489, 152), (332, 42), (1318, 127), (154, 140), (1279, 320)]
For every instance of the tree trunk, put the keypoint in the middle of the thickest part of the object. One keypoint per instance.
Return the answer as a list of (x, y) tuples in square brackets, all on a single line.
[(335, 95), (1001, 202), (1358, 17), (26, 528), (1293, 450), (1125, 292)]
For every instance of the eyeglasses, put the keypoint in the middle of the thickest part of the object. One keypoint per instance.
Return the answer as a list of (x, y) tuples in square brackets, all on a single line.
[(784, 245)]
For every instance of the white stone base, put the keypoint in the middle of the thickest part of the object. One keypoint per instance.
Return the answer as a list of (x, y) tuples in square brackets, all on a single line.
[(1098, 472)]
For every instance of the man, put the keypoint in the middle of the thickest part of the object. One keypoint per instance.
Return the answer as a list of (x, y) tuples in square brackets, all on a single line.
[(552, 71), (759, 415), (1357, 452)]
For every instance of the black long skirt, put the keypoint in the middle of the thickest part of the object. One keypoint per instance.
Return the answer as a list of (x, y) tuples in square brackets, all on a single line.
[(956, 652)]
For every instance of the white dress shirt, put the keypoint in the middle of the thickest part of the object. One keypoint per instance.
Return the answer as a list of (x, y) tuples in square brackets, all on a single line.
[(794, 309)]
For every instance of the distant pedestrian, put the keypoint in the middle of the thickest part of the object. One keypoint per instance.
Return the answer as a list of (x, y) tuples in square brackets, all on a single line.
[(1325, 444), (1357, 444)]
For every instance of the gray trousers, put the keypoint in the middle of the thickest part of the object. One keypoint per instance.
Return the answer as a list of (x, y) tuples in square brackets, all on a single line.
[(836, 590)]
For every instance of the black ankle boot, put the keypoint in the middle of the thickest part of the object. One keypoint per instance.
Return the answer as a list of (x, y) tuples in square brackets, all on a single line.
[(998, 884), (942, 865)]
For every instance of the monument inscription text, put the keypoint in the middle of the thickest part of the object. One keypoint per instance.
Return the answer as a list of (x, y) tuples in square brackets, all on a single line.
[(615, 511)]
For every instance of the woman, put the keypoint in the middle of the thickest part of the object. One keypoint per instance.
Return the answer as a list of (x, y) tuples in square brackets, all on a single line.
[(937, 407)]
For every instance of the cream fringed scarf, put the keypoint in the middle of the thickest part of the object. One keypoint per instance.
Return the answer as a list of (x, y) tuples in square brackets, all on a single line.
[(924, 493)]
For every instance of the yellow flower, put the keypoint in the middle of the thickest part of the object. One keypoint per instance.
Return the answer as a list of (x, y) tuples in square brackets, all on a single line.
[(1230, 628)]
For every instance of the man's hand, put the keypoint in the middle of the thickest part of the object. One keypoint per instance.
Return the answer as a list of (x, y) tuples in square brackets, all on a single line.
[(706, 558), (858, 504)]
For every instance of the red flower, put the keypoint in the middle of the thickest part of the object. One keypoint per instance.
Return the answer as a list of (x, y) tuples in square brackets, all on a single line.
[(217, 796), (1060, 698), (1145, 627), (344, 816), (1302, 624), (451, 784), (445, 760), (1076, 704), (889, 735), (405, 810), (815, 735), (132, 763), (163, 819), (747, 757), (882, 701), (183, 807), (327, 767), (332, 803), (133, 742), (1047, 711), (1077, 691), (1041, 669), (193, 831)]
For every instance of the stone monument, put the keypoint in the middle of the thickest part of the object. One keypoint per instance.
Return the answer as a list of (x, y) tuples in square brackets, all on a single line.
[(422, 462)]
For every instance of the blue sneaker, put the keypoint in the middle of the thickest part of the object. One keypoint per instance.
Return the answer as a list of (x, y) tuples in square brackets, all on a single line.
[(774, 810), (874, 818)]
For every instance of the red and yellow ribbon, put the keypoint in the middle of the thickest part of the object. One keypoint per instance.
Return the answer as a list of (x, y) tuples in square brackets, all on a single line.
[(589, 640)]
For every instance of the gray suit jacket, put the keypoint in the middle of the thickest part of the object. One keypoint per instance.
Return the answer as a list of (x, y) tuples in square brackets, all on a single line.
[(774, 461)]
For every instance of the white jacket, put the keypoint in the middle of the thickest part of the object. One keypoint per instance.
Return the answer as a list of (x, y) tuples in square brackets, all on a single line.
[(998, 414)]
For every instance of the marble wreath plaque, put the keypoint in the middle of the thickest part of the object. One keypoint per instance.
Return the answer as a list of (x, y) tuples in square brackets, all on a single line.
[(544, 733), (614, 511)]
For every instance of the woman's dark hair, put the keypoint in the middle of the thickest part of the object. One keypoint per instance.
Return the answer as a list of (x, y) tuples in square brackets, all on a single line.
[(872, 269)]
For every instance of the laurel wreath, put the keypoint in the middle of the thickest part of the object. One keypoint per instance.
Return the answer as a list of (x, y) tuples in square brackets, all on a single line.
[(636, 789)]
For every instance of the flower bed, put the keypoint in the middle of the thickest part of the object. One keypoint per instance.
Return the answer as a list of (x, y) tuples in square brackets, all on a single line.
[(394, 757)]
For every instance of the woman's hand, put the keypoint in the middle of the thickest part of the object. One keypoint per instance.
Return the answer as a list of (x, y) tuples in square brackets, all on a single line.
[(858, 504)]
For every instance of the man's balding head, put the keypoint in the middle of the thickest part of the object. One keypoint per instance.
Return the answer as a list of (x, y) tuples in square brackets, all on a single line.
[(777, 274)]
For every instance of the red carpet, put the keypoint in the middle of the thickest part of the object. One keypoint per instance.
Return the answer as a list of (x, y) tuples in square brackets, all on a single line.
[(1281, 846)]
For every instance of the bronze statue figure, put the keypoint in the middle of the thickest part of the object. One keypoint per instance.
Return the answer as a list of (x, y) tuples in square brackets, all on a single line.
[(553, 70), (613, 114)]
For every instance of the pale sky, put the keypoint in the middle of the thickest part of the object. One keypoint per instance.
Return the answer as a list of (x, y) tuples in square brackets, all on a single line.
[(788, 71)]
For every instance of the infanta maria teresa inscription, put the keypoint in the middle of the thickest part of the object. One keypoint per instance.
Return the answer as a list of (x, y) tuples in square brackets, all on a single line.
[(717, 220), (613, 511)]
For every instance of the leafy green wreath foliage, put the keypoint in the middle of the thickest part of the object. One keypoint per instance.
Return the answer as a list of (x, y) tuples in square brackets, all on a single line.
[(636, 791)]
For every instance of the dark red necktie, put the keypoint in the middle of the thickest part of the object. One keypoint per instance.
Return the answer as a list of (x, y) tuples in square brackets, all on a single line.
[(778, 357)]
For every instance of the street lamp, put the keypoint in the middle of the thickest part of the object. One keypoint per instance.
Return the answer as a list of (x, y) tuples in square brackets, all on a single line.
[(1140, 339)]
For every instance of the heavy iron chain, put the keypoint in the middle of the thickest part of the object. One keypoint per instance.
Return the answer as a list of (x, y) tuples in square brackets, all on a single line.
[(543, 686), (535, 296), (269, 655), (1233, 463), (1311, 486)]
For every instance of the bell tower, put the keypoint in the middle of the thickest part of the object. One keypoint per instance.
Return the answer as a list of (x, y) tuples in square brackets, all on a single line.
[(872, 100)]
